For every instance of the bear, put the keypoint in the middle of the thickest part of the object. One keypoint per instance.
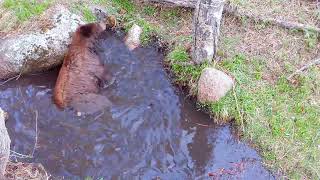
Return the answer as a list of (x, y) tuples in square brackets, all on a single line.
[(82, 73)]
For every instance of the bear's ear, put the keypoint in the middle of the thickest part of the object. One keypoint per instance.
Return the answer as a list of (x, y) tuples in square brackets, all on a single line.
[(86, 30)]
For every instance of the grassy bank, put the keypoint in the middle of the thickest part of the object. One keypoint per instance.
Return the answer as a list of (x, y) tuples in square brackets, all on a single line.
[(280, 118)]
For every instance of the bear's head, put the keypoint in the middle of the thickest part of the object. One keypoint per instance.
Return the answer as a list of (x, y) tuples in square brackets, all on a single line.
[(93, 29)]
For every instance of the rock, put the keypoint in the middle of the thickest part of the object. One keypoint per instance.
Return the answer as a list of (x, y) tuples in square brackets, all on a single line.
[(4, 143), (213, 85), (133, 37), (40, 49), (99, 11)]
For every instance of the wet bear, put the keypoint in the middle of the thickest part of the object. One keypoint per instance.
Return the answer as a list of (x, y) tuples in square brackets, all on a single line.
[(82, 73)]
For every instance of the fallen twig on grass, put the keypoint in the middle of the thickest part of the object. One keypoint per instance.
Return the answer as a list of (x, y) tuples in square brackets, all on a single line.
[(303, 68), (238, 108)]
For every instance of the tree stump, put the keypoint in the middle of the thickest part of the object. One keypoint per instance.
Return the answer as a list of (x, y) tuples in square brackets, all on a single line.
[(207, 20), (4, 144)]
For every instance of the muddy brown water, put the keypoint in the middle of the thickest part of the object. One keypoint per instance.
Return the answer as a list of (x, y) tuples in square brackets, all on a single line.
[(150, 132)]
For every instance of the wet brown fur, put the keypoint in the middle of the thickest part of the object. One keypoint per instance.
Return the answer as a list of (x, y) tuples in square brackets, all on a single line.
[(82, 71)]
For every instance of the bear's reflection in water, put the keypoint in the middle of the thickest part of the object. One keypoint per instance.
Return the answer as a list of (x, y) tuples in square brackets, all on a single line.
[(148, 132)]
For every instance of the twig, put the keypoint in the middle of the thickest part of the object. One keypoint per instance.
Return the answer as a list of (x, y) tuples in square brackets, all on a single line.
[(203, 125), (36, 138), (184, 63), (303, 68), (98, 116), (10, 79), (22, 156), (238, 108)]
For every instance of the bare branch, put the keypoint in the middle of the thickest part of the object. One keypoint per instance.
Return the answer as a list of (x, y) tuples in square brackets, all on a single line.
[(305, 67)]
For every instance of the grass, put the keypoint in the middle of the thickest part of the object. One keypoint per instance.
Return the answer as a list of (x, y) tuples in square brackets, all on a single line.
[(26, 9), (282, 119), (87, 14)]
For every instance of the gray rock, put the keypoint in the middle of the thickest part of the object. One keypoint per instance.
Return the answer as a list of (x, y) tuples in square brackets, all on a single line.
[(40, 49), (133, 37), (213, 85), (4, 143)]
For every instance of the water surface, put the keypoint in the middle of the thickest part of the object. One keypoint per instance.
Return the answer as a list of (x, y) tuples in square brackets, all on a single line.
[(151, 131)]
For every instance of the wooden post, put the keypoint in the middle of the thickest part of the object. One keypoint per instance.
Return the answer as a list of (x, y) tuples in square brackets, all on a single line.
[(207, 20), (4, 144)]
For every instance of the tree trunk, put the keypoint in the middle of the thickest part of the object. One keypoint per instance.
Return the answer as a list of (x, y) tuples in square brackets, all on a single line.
[(4, 144), (207, 20)]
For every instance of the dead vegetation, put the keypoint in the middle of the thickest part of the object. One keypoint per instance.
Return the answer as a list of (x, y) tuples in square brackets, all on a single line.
[(26, 171)]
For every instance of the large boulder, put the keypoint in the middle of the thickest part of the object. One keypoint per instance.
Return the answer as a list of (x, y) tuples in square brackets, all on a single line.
[(213, 85), (4, 144), (39, 46)]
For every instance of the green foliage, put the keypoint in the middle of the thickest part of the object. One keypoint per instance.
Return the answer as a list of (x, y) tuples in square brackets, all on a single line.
[(275, 113), (149, 10), (86, 13), (126, 5), (311, 39), (185, 73), (26, 9), (170, 16)]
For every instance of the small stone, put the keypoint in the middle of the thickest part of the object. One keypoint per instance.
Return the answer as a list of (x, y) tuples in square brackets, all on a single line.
[(213, 85), (133, 37)]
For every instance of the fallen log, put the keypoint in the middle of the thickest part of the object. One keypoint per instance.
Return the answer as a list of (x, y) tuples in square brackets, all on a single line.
[(233, 10), (181, 3)]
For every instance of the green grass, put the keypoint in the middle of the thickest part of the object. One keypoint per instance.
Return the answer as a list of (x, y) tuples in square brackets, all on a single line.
[(132, 17), (126, 5), (149, 10), (25, 9), (311, 39), (87, 14), (185, 74), (282, 118), (279, 117)]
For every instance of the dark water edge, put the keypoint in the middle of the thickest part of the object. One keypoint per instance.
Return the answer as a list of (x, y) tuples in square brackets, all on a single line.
[(151, 131)]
